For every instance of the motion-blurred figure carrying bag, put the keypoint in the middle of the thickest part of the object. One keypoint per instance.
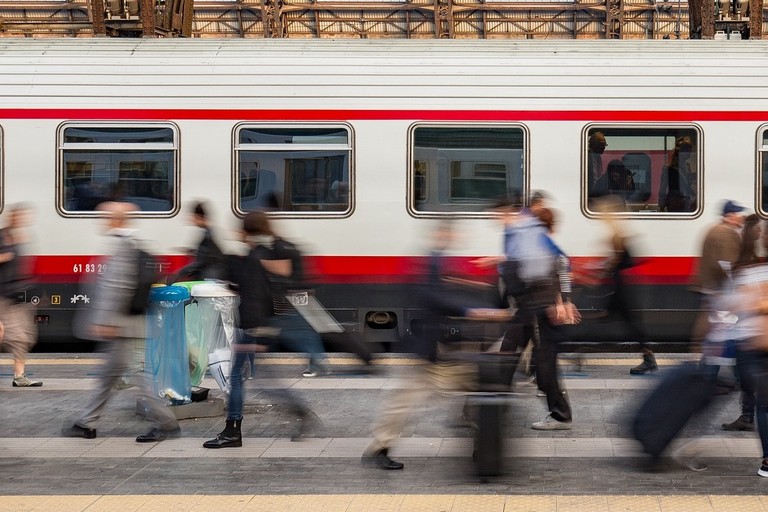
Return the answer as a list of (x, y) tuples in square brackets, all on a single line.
[(683, 392)]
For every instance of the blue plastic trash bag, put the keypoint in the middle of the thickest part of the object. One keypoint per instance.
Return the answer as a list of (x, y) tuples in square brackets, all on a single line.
[(167, 357)]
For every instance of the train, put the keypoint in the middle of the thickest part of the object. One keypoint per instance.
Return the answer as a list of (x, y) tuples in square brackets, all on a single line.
[(357, 147)]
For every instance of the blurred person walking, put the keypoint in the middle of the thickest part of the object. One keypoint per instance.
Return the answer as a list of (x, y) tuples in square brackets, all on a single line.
[(719, 252), (288, 286), (521, 331), (622, 302), (16, 314), (208, 260), (439, 302), (749, 303), (248, 275), (109, 320), (751, 235)]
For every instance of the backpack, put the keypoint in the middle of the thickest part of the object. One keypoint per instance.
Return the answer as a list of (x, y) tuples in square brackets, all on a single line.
[(146, 276), (534, 258), (528, 276)]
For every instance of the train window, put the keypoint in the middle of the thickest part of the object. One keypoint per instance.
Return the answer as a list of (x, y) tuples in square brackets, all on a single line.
[(462, 169), (135, 163), (762, 159), (293, 169), (647, 170)]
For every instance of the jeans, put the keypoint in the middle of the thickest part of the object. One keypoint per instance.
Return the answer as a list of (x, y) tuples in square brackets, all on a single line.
[(243, 347), (755, 369), (747, 384), (297, 335), (550, 338)]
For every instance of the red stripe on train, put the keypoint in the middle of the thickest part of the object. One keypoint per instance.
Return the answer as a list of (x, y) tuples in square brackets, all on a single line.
[(340, 115), (663, 270)]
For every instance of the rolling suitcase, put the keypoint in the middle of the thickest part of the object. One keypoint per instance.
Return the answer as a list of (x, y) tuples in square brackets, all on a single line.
[(683, 392), (488, 455), (489, 410)]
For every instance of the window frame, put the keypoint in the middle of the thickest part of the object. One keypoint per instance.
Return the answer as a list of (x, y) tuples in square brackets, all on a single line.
[(760, 153), (320, 214), (61, 147), (643, 214), (2, 170), (411, 170)]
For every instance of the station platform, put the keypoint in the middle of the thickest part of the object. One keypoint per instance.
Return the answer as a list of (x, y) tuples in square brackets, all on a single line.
[(595, 466)]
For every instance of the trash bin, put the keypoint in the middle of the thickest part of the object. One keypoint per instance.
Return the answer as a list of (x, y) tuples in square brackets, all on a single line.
[(217, 307), (166, 356), (196, 343)]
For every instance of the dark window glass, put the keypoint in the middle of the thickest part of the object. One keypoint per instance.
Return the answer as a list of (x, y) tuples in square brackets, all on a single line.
[(297, 170), (114, 168), (457, 169)]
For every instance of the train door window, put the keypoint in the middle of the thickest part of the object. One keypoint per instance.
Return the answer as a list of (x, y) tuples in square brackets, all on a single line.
[(131, 162), (465, 169), (645, 170), (762, 162), (301, 169)]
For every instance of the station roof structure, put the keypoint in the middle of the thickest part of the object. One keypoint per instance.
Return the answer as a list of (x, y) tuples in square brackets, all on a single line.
[(414, 19)]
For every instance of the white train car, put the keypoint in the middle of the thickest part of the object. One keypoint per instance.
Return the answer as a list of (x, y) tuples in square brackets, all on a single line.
[(357, 146)]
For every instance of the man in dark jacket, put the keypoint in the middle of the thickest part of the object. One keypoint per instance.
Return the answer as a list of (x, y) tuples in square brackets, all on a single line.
[(439, 302), (209, 260)]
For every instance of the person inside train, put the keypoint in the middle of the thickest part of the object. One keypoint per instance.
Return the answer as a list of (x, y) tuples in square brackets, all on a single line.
[(595, 148), (208, 262), (617, 181), (677, 187), (16, 314)]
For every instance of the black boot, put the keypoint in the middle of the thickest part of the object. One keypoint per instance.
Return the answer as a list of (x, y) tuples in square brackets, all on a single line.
[(230, 437), (648, 365), (743, 422)]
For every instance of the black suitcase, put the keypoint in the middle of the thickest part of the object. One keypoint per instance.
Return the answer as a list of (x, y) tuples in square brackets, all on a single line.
[(489, 410), (683, 392)]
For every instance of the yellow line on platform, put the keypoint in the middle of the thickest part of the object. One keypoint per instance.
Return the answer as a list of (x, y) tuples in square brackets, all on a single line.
[(381, 503)]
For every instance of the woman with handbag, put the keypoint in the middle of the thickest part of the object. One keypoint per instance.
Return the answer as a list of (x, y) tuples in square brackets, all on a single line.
[(548, 301)]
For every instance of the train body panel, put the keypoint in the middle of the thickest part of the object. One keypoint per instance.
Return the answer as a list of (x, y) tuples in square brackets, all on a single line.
[(363, 144)]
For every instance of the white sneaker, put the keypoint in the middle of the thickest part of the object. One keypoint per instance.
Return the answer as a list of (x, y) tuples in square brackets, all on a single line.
[(550, 423)]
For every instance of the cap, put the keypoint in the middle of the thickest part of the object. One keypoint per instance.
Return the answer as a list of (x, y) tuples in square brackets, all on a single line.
[(732, 207)]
